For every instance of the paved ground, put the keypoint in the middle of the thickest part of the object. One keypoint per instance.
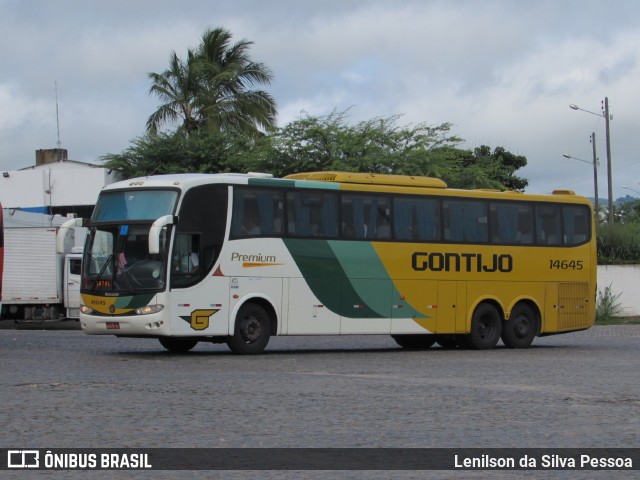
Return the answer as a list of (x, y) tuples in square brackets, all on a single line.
[(65, 389)]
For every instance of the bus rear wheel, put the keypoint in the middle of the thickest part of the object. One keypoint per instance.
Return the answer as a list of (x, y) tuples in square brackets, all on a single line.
[(178, 344), (415, 342), (521, 328), (486, 327), (252, 330)]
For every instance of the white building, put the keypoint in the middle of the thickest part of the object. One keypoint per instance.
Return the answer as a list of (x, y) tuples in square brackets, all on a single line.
[(54, 185)]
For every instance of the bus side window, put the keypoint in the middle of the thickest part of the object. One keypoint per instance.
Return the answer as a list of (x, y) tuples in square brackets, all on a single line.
[(312, 214), (548, 227), (256, 212), (416, 219), (511, 223), (466, 221), (365, 217), (576, 224)]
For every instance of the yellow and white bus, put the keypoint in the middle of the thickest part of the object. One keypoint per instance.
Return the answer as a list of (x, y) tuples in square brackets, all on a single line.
[(238, 258)]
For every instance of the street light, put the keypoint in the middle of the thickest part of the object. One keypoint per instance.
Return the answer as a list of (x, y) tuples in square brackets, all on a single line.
[(633, 190), (606, 117), (595, 171)]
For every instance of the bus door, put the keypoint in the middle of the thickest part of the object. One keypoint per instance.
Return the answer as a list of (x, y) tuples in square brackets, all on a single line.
[(199, 300), (452, 307)]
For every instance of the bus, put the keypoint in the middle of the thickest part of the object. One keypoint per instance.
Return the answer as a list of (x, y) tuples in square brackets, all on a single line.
[(237, 258)]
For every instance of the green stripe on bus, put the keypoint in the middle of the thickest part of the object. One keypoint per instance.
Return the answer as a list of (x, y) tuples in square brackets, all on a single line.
[(279, 182), (327, 279), (272, 182), (370, 278)]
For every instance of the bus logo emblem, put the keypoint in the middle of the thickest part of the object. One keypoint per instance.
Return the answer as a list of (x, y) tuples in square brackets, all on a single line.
[(199, 319)]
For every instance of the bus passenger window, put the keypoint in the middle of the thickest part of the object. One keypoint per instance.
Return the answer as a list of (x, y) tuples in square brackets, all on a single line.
[(465, 221), (576, 224), (548, 225), (312, 214), (365, 217), (257, 212), (251, 225), (511, 223)]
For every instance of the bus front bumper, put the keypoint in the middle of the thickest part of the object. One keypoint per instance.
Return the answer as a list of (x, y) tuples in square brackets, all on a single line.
[(144, 325)]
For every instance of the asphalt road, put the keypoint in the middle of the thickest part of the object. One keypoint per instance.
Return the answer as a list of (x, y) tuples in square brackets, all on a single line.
[(64, 389)]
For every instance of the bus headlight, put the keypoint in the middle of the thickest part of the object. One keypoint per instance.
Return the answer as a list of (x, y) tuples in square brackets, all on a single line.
[(149, 309), (86, 310)]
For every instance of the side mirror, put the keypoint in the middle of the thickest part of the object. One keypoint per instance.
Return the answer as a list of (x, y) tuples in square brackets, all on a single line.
[(64, 230), (155, 230)]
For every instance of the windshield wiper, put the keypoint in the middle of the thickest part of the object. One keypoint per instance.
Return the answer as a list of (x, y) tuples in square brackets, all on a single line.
[(101, 272)]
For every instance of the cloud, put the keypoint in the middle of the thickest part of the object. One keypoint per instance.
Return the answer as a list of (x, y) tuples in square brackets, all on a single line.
[(502, 72)]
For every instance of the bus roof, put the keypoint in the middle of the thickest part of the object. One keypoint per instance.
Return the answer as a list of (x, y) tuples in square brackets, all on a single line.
[(371, 179), (185, 180), (363, 182)]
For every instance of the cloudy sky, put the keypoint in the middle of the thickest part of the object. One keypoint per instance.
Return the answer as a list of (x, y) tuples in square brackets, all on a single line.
[(503, 72)]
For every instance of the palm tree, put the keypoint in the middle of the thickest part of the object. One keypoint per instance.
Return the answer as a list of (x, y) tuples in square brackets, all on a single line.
[(177, 87), (213, 89), (228, 101)]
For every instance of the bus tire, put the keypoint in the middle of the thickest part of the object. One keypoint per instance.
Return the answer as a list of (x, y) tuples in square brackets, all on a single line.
[(414, 342), (447, 341), (252, 330), (178, 344), (521, 328), (486, 327)]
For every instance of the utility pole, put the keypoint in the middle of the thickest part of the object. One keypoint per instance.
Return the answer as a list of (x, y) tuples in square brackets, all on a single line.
[(607, 118), (608, 140), (595, 172)]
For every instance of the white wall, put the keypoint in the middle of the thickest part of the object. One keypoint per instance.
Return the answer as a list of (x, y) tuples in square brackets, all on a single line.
[(56, 184), (623, 280)]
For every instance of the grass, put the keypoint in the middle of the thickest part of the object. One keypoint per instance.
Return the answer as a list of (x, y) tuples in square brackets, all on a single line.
[(619, 321)]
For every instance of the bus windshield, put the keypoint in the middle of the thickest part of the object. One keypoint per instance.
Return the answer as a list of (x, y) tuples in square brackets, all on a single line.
[(134, 205), (117, 259)]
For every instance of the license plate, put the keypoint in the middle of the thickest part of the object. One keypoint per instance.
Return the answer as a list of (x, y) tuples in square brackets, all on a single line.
[(113, 325)]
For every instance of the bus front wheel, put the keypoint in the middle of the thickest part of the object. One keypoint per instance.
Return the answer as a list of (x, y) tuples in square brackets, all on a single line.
[(252, 330), (521, 328), (486, 327), (178, 344), (415, 342)]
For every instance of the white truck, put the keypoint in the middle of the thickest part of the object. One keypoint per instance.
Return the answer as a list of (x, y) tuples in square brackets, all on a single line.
[(40, 284)]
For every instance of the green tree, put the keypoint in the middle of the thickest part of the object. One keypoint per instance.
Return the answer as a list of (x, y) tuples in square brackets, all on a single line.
[(380, 145), (312, 143), (481, 168), (500, 165), (213, 89), (176, 152)]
